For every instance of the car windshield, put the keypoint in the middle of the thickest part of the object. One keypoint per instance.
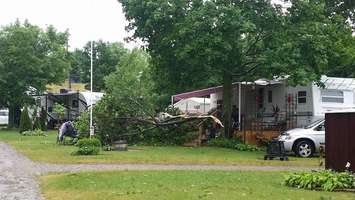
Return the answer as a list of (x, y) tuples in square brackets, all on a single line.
[(312, 124)]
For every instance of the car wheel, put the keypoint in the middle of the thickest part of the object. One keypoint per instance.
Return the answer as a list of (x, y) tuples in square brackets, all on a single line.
[(304, 149)]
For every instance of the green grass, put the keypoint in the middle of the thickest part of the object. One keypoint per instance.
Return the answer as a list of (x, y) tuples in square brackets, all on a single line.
[(155, 185), (45, 149)]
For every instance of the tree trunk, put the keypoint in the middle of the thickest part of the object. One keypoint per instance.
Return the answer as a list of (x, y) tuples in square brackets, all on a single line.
[(14, 116), (227, 104)]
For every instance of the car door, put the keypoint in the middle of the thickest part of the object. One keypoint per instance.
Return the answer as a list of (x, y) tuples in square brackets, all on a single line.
[(319, 134)]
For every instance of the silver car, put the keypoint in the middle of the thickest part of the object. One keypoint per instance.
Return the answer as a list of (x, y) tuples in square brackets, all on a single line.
[(305, 141)]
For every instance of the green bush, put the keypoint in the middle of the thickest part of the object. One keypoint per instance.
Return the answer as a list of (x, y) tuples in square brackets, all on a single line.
[(25, 121), (223, 142), (326, 180), (43, 119), (37, 124), (247, 147), (59, 110), (82, 123), (88, 146), (36, 132), (231, 144), (168, 135)]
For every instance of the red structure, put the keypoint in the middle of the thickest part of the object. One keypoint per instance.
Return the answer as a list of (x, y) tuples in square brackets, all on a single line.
[(340, 141)]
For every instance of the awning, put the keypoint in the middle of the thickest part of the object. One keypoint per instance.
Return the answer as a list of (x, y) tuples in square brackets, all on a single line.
[(213, 90)]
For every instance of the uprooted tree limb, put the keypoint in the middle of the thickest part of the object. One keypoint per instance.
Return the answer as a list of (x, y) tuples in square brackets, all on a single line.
[(168, 119)]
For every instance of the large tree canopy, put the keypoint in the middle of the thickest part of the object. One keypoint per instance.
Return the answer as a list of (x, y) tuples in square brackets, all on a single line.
[(29, 58), (346, 8), (106, 57), (197, 42)]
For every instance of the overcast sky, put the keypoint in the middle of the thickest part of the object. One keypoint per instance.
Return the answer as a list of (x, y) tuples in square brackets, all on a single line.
[(85, 19)]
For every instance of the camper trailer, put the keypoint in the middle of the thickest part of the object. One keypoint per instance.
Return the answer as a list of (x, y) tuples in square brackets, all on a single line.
[(74, 103)]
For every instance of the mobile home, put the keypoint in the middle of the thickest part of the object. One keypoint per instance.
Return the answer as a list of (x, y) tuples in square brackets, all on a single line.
[(273, 103)]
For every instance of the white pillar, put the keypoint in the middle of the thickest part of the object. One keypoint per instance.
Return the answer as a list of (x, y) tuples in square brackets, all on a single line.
[(204, 105)]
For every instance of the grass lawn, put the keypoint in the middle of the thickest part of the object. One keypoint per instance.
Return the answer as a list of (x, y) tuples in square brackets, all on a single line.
[(45, 149), (149, 185)]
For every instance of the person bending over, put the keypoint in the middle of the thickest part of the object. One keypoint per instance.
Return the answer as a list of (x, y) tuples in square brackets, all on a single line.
[(66, 129)]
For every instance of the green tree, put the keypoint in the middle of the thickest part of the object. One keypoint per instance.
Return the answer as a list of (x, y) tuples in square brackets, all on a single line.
[(60, 111), (234, 40), (346, 8), (30, 59), (106, 57), (128, 96), (36, 120), (25, 121)]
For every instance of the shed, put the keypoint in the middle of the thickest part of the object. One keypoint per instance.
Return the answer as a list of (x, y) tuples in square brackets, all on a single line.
[(340, 140)]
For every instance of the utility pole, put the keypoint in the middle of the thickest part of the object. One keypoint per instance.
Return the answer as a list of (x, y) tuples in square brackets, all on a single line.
[(92, 131), (67, 55)]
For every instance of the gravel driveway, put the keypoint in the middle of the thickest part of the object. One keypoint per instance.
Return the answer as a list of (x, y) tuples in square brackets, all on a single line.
[(18, 173), (17, 176)]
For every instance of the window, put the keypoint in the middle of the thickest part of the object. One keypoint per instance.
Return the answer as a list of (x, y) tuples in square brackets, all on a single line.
[(197, 107), (75, 103), (320, 127), (302, 97), (269, 96), (332, 96)]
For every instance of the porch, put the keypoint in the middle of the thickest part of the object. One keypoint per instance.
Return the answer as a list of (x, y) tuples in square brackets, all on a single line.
[(264, 108)]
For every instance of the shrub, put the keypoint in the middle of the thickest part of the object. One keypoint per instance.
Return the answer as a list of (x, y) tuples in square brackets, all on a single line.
[(81, 124), (169, 135), (37, 123), (88, 146), (59, 110), (43, 119), (326, 180), (25, 121), (232, 144), (36, 132), (223, 142), (246, 147)]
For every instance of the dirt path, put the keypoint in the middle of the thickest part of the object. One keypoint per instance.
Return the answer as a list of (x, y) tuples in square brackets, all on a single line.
[(18, 173), (17, 176)]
